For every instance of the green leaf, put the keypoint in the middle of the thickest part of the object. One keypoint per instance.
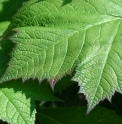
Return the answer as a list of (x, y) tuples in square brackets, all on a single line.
[(15, 108), (77, 115), (35, 60), (57, 13), (55, 37), (31, 89), (17, 98)]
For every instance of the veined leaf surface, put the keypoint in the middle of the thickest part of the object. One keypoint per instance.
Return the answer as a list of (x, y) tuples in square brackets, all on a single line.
[(15, 108), (54, 37)]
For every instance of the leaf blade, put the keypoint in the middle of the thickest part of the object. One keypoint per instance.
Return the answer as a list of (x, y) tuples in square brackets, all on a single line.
[(91, 29), (99, 84), (15, 108)]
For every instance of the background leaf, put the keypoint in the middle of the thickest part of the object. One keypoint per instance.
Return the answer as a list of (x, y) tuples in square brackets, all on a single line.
[(32, 89), (8, 8), (72, 115)]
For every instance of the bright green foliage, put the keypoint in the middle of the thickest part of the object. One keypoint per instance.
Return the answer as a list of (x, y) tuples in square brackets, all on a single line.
[(17, 105), (15, 108), (44, 58), (3, 26), (77, 115), (54, 37), (17, 100)]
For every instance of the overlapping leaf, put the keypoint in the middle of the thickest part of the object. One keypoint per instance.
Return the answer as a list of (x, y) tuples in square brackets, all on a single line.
[(17, 100), (15, 108), (54, 37)]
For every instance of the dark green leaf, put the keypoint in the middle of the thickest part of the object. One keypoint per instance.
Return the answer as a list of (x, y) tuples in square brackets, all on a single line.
[(77, 115)]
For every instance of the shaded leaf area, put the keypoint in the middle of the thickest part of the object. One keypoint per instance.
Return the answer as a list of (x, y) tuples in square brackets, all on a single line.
[(15, 107), (8, 8), (63, 83), (72, 115), (3, 61), (115, 104), (32, 90), (67, 13), (53, 39)]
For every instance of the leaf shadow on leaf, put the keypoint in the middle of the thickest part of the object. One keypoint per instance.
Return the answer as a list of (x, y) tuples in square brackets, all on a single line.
[(5, 49), (66, 2), (4, 59)]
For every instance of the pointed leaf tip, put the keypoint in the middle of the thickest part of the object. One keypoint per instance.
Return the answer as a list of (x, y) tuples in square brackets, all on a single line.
[(61, 38)]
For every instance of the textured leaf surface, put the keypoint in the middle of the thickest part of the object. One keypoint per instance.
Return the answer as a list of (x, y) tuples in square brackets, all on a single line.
[(77, 115), (15, 108), (54, 37), (16, 99)]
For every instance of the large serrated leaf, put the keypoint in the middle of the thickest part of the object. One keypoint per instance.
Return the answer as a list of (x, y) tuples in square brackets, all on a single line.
[(54, 37), (15, 107)]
